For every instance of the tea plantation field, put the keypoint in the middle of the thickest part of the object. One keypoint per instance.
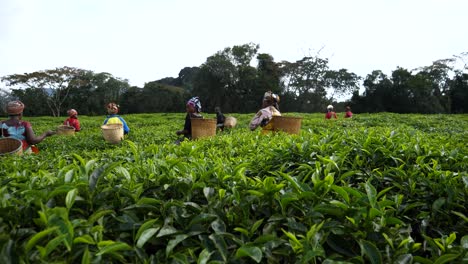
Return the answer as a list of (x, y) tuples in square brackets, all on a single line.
[(380, 188)]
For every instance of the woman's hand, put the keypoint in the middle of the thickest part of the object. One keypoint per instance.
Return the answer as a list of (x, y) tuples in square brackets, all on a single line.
[(50, 133)]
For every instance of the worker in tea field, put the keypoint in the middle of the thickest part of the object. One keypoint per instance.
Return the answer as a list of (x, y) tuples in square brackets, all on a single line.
[(270, 108), (220, 118), (330, 113), (114, 118), (15, 127), (72, 120), (193, 108), (348, 113)]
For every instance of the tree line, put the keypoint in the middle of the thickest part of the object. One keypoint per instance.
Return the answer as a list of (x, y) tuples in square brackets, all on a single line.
[(228, 79)]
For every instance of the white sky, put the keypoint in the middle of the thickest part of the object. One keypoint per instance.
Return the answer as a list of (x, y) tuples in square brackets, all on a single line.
[(146, 40)]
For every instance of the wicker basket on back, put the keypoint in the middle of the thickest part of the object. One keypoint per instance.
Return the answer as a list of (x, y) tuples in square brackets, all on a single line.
[(113, 133), (10, 146), (230, 122), (202, 127), (65, 130), (288, 124)]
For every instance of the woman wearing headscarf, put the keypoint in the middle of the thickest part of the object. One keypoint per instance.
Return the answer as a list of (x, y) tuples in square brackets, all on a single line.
[(15, 127), (114, 118), (348, 113), (330, 113), (269, 109), (193, 108), (72, 120)]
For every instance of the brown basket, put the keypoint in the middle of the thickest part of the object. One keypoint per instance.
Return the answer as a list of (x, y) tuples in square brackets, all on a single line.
[(65, 130), (203, 127), (11, 146), (230, 122), (288, 124), (113, 133)]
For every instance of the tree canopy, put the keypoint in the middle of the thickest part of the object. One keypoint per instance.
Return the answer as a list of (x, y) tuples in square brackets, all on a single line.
[(236, 78)]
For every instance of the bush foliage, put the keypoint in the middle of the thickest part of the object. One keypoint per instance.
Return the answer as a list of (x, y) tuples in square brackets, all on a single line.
[(378, 188)]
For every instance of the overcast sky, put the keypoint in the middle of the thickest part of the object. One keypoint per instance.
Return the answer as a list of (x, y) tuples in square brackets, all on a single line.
[(146, 40)]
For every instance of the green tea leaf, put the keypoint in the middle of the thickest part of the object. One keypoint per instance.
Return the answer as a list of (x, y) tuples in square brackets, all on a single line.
[(242, 230), (35, 238), (86, 259), (371, 194), (167, 230), (113, 247), (446, 258), (173, 242), (69, 176), (220, 244), (145, 226), (464, 242), (253, 252), (418, 259), (86, 239), (94, 217), (145, 236), (256, 225), (437, 205), (341, 192), (404, 259), (53, 244), (204, 256), (371, 251), (70, 198), (461, 215)]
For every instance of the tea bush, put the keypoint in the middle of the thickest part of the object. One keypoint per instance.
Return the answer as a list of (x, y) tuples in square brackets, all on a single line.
[(378, 188)]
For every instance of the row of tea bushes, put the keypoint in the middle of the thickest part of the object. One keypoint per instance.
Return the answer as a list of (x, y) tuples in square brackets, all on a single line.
[(380, 188)]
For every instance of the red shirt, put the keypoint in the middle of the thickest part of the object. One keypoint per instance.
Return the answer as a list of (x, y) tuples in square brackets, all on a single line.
[(348, 114), (330, 115), (74, 122)]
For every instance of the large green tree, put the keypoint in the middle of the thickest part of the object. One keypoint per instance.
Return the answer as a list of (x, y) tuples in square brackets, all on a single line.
[(55, 84), (5, 97), (341, 83), (306, 80), (226, 79), (376, 95), (33, 99), (459, 93)]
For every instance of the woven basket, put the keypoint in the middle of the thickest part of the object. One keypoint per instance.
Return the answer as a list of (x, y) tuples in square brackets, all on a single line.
[(113, 133), (65, 130), (203, 127), (288, 124), (230, 122), (10, 146)]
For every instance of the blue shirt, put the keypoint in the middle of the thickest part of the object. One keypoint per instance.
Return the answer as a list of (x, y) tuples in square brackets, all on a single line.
[(116, 119)]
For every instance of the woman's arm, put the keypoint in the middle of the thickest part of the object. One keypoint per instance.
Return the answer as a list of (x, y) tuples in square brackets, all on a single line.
[(32, 139)]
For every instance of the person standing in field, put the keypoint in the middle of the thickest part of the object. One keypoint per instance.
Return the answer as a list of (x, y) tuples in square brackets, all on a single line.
[(330, 113), (72, 120), (220, 118), (270, 108), (193, 108), (348, 113), (15, 127), (114, 118)]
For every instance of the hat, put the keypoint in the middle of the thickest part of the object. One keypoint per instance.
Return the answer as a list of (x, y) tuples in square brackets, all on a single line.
[(72, 112), (15, 108), (271, 96), (112, 108), (195, 102), (330, 107)]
